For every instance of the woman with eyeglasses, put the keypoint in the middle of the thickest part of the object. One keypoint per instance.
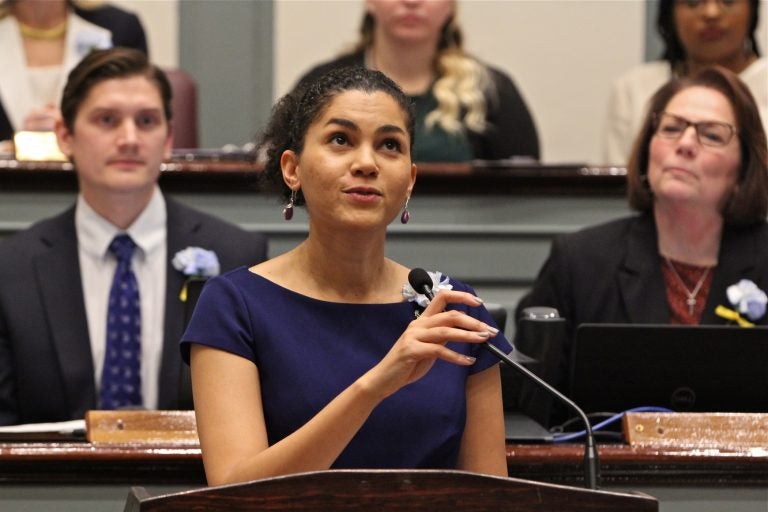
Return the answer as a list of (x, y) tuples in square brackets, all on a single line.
[(696, 34), (698, 176)]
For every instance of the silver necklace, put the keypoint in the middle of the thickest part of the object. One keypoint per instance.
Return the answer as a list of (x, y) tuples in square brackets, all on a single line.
[(691, 294)]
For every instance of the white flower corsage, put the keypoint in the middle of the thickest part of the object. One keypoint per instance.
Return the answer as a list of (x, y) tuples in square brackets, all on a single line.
[(195, 263), (87, 41), (439, 282), (747, 299)]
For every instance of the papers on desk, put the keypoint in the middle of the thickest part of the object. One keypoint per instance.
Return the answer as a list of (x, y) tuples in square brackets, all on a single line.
[(61, 431)]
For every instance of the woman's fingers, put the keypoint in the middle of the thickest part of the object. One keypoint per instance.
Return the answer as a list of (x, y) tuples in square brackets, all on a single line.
[(452, 325), (442, 334), (446, 297), (451, 356), (425, 339)]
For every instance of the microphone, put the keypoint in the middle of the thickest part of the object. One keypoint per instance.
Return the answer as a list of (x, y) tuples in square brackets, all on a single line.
[(420, 281)]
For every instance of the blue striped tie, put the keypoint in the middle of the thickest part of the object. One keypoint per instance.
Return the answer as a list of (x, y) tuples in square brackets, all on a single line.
[(121, 376)]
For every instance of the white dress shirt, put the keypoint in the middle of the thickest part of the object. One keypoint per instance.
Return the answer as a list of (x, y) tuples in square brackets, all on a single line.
[(97, 269)]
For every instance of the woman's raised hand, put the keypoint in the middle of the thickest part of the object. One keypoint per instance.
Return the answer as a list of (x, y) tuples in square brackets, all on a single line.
[(423, 342)]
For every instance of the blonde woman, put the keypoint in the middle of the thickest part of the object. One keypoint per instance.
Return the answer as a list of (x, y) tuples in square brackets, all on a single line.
[(464, 109)]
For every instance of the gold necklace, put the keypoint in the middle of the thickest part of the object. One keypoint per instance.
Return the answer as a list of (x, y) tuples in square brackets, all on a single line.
[(691, 295), (56, 32)]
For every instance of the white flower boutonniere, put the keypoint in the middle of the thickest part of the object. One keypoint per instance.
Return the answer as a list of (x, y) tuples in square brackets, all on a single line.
[(195, 263), (439, 282), (747, 299)]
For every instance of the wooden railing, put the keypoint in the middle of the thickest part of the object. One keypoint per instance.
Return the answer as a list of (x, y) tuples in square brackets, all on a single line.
[(621, 465), (219, 174)]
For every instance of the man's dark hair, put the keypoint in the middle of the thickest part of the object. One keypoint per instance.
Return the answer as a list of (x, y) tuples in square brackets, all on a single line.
[(101, 65)]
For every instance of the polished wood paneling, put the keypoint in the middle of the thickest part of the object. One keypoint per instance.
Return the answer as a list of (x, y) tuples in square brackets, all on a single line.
[(621, 465)]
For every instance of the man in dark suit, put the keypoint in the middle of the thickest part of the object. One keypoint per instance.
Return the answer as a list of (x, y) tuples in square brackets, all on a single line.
[(55, 277)]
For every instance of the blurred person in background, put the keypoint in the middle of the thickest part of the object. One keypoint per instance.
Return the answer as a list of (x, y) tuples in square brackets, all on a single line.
[(696, 33), (40, 42), (465, 109)]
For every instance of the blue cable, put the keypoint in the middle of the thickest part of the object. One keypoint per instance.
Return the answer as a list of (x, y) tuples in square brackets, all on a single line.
[(561, 438)]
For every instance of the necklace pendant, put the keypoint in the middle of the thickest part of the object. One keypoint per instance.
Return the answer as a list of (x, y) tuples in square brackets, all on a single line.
[(691, 301)]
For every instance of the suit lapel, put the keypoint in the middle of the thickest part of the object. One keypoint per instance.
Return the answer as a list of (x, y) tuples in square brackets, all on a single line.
[(182, 232), (57, 272), (736, 261), (640, 279)]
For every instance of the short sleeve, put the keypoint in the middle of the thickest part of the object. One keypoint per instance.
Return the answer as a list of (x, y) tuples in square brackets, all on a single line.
[(220, 320), (485, 359)]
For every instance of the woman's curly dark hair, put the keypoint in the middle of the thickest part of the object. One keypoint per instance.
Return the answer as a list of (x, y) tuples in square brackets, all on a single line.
[(296, 111)]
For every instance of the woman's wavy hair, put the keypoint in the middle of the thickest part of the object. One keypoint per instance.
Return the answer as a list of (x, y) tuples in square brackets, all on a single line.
[(748, 204), (295, 112), (461, 79), (674, 52)]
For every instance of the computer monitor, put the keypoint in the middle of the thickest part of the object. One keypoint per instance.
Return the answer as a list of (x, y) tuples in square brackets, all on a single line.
[(615, 367)]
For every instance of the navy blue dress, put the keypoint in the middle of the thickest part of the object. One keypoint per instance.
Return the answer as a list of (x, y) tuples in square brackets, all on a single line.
[(308, 351)]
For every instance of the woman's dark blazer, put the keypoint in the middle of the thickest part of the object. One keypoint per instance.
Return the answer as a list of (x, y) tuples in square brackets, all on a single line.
[(611, 273)]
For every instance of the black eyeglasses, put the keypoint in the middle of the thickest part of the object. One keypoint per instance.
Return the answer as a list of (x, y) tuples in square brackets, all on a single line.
[(708, 133)]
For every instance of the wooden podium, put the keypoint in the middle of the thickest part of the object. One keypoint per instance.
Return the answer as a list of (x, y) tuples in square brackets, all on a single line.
[(384, 490)]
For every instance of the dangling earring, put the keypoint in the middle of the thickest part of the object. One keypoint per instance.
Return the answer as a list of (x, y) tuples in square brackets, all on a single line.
[(288, 210), (405, 216)]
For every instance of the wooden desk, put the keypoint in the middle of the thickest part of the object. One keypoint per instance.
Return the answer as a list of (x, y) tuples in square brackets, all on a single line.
[(78, 476), (621, 465), (77, 463)]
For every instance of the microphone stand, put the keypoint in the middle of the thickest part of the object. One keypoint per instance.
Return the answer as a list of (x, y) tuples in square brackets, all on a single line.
[(591, 461), (420, 281)]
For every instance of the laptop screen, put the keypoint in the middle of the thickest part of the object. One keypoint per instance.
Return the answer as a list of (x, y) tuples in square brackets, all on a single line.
[(615, 367)]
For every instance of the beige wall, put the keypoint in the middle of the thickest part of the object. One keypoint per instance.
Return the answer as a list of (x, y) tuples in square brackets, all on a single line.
[(563, 54), (161, 23)]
